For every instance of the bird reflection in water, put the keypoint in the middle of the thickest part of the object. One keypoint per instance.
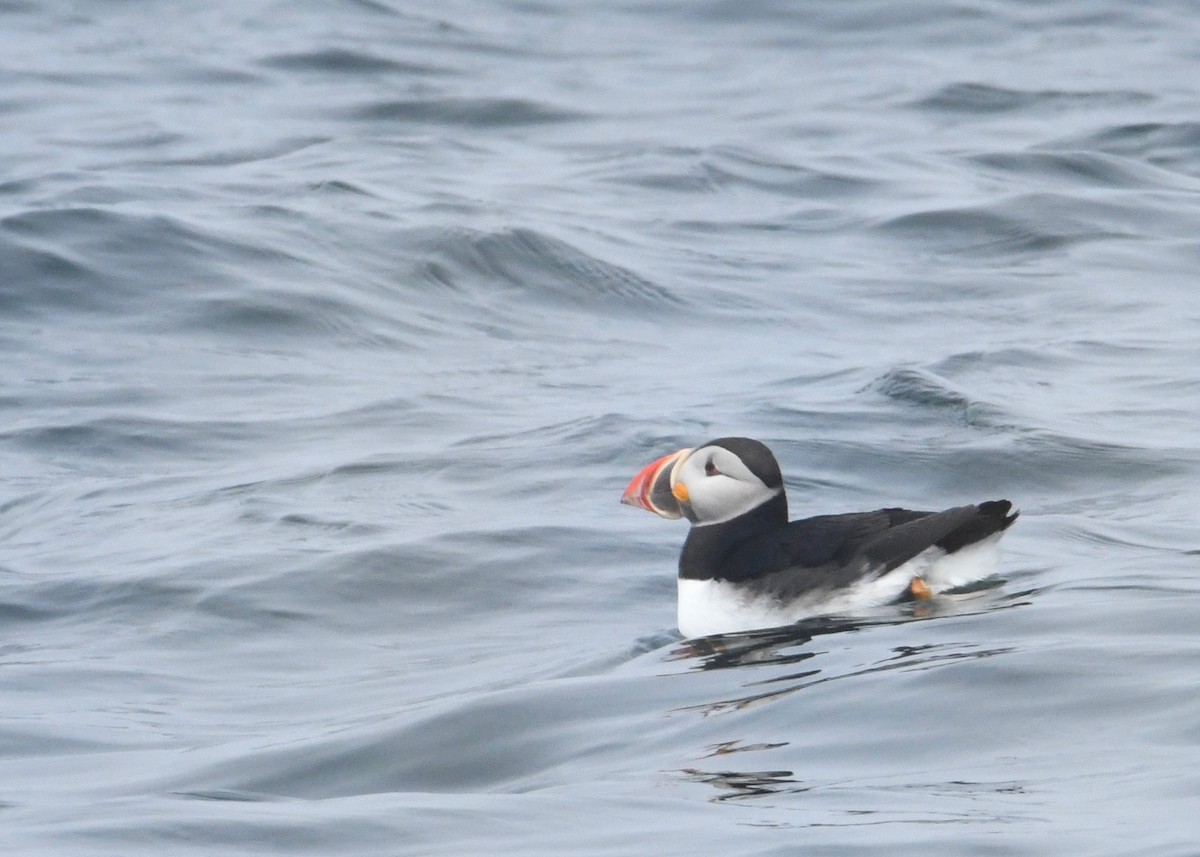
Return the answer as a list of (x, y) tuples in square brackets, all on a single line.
[(786, 647), (739, 785), (773, 647)]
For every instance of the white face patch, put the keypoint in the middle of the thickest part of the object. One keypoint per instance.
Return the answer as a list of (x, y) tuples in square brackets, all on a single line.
[(719, 485)]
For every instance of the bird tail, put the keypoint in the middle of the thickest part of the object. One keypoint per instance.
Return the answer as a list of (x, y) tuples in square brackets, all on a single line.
[(990, 518)]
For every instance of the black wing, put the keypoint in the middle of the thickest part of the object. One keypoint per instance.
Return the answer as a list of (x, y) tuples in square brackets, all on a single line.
[(833, 550)]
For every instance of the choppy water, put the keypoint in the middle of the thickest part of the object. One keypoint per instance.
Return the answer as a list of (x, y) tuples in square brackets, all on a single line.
[(332, 332)]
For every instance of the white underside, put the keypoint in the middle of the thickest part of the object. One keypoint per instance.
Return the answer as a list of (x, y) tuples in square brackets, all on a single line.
[(719, 607)]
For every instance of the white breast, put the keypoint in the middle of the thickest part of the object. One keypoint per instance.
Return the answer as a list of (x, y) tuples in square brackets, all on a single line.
[(720, 607)]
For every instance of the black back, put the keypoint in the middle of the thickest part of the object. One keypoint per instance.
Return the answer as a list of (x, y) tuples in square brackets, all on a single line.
[(761, 549)]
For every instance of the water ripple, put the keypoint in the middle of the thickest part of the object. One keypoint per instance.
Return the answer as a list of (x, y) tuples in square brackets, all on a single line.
[(473, 112), (1032, 224), (538, 269), (1171, 145), (346, 61), (979, 98)]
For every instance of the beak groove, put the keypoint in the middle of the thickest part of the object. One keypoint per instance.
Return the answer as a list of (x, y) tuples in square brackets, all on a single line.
[(651, 488)]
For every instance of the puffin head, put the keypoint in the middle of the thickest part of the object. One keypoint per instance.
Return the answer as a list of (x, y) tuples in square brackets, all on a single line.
[(708, 484)]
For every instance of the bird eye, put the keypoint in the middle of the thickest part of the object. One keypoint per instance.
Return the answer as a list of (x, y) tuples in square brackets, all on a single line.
[(710, 469)]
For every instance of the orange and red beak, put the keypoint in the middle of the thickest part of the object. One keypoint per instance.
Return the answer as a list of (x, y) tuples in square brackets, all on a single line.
[(651, 488)]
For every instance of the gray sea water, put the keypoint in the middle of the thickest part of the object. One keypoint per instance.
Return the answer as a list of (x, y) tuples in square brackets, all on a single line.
[(332, 331)]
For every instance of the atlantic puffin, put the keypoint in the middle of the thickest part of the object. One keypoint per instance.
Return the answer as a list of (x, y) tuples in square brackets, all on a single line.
[(744, 566)]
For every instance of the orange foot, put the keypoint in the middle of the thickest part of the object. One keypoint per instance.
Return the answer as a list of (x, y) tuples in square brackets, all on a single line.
[(920, 589)]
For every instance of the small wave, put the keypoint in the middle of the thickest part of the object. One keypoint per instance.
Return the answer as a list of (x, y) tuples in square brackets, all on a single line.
[(920, 388), (98, 600), (93, 259), (982, 98), (1033, 224), (281, 313), (109, 439), (117, 439), (63, 281), (505, 740), (346, 61), (929, 390), (538, 268), (229, 156), (472, 112), (1078, 168), (708, 170), (1168, 145), (595, 439)]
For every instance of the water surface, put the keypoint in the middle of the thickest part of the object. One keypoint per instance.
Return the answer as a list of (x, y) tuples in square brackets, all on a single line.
[(334, 331)]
